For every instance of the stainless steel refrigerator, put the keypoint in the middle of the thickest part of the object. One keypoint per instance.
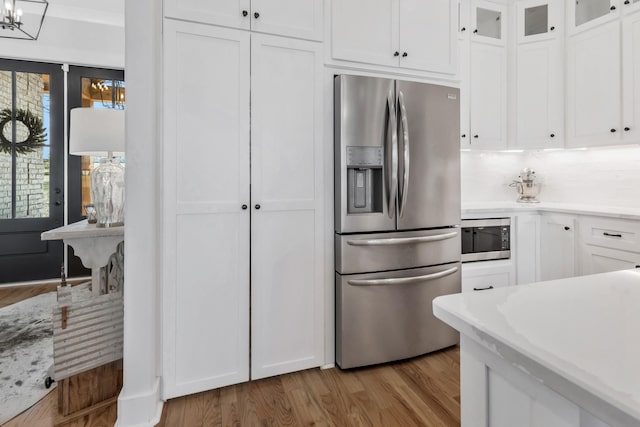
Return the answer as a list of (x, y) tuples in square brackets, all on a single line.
[(397, 217)]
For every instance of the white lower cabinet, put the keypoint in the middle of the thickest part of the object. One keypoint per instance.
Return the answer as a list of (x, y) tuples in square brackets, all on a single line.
[(484, 275), (557, 246), (527, 229), (596, 259), (242, 222)]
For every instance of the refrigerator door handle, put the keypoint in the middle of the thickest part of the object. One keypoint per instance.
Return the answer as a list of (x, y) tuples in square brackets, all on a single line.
[(404, 125), (392, 181), (403, 240), (402, 280)]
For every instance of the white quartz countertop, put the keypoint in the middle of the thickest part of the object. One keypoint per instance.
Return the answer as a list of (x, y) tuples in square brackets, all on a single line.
[(80, 230), (475, 208), (584, 329)]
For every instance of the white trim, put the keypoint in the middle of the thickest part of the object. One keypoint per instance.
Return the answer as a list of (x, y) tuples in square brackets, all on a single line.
[(133, 411)]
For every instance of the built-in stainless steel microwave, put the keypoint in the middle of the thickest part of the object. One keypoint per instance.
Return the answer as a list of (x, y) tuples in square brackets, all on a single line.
[(485, 239)]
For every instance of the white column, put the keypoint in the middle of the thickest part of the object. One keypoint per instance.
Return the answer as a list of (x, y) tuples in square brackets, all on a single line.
[(139, 403)]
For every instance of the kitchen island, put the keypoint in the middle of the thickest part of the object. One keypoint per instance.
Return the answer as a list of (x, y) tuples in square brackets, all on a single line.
[(557, 353)]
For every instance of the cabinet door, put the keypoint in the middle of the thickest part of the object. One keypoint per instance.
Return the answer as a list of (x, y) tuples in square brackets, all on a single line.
[(352, 38), (539, 95), (587, 14), (299, 18), (205, 248), (229, 13), (537, 20), (489, 22), (527, 249), (488, 101), (557, 247), (631, 6), (485, 275), (428, 35), (631, 77), (596, 259), (593, 87), (287, 206)]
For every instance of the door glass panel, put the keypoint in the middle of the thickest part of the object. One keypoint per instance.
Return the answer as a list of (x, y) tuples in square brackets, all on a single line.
[(98, 93), (24, 145), (536, 20), (489, 23), (588, 10)]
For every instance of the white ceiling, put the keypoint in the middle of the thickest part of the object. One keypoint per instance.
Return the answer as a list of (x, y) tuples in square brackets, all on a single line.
[(109, 12)]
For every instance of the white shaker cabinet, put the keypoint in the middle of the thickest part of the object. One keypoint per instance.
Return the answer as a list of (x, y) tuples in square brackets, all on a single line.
[(242, 207), (631, 75), (594, 87), (557, 246), (585, 15), (205, 279), (406, 34), (299, 18), (527, 248)]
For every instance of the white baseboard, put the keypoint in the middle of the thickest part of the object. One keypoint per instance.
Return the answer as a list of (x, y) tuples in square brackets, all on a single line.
[(141, 410), (328, 366)]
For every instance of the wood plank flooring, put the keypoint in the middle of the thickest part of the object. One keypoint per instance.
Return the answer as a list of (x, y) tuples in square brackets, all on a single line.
[(424, 391)]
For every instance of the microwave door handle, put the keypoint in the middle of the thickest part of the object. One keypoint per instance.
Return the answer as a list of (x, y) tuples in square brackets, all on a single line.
[(402, 280), (404, 125), (392, 131)]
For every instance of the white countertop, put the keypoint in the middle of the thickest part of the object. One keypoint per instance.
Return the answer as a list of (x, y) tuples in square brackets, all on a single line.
[(469, 209), (584, 329), (81, 230)]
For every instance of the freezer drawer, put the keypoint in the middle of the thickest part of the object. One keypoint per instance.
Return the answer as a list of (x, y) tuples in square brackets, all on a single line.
[(388, 316), (362, 253)]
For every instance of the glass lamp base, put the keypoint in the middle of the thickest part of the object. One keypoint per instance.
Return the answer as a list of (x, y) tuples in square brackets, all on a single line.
[(107, 192)]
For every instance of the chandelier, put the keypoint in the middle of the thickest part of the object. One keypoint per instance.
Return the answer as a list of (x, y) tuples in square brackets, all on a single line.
[(22, 19)]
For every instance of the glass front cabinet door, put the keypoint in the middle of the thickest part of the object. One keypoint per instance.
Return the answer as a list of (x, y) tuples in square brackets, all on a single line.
[(537, 20), (488, 22), (585, 14)]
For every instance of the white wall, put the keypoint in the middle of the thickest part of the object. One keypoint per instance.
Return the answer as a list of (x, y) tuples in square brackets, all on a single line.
[(608, 176)]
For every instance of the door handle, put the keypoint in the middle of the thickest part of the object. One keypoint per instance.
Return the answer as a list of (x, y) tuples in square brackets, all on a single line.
[(402, 240), (483, 289), (392, 181), (402, 280), (612, 234), (405, 148)]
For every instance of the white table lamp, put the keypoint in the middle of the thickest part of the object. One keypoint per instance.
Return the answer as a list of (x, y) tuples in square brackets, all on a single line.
[(100, 132)]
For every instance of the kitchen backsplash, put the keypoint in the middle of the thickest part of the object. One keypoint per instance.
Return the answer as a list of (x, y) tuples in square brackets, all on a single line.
[(608, 176)]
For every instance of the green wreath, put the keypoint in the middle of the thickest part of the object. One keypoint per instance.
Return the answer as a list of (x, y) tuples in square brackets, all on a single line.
[(36, 137)]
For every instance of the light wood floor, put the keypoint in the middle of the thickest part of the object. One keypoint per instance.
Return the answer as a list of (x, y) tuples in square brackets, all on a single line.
[(424, 391)]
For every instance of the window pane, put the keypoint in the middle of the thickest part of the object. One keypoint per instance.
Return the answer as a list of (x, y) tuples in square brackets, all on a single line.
[(588, 10), (488, 22), (5, 148), (535, 20), (32, 145), (98, 93)]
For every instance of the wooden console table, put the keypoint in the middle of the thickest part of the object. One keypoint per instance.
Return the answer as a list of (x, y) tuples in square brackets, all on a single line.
[(88, 322)]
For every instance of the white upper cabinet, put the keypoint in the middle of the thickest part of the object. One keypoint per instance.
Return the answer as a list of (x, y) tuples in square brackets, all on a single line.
[(538, 20), (631, 77), (489, 22), (408, 34), (594, 87), (586, 14), (300, 18), (630, 6)]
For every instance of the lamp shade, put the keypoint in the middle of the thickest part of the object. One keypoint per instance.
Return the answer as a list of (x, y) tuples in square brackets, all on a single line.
[(96, 131)]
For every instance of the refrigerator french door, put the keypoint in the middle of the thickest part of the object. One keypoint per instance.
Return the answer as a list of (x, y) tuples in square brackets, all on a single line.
[(397, 216)]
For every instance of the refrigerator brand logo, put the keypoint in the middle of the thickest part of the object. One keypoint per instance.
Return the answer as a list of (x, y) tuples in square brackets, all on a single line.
[(451, 96)]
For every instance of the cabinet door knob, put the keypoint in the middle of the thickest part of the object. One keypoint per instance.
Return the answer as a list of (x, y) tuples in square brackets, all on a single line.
[(257, 206), (552, 28), (627, 129), (475, 31), (245, 13), (405, 54), (553, 135), (58, 203), (464, 135), (626, 2), (567, 228), (463, 29), (475, 136), (244, 207), (613, 131), (396, 53), (256, 15), (612, 8)]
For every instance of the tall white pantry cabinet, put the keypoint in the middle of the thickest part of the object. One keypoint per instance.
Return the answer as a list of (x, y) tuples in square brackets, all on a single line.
[(243, 249)]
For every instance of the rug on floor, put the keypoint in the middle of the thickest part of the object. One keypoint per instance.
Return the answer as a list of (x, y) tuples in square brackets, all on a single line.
[(26, 353)]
